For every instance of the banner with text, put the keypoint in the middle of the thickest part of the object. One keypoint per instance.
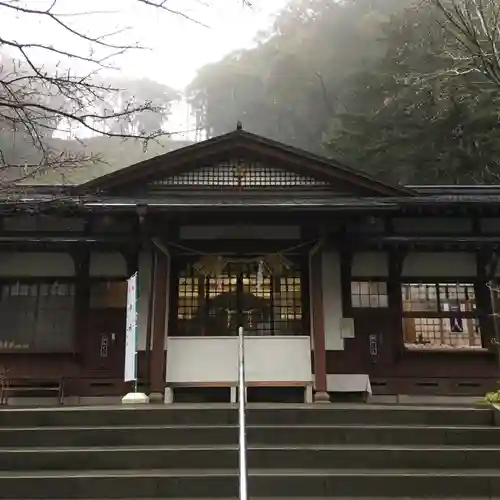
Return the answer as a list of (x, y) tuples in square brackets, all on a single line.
[(131, 333)]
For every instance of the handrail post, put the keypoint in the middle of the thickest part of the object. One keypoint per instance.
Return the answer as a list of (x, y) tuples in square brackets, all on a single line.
[(241, 415)]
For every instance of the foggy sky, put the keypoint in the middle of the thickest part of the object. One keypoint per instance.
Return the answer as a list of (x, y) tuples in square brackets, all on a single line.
[(178, 46)]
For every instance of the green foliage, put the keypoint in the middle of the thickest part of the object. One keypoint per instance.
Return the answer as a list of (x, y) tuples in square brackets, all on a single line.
[(113, 153), (374, 83), (411, 119), (289, 84), (142, 90), (16, 147), (493, 397)]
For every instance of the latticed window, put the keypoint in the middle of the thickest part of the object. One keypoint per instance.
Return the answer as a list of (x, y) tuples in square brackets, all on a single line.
[(440, 315), (369, 294), (263, 305), (239, 173), (37, 316)]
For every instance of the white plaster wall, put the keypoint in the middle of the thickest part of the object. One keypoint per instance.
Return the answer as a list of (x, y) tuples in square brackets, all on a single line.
[(205, 360), (368, 225), (144, 288), (434, 225), (43, 223), (167, 298), (332, 300), (370, 265), (108, 265), (490, 225), (239, 232), (439, 264), (33, 264)]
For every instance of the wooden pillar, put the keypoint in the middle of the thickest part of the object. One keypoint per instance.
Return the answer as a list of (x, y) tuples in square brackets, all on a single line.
[(157, 359), (396, 262), (318, 327), (81, 259), (486, 299)]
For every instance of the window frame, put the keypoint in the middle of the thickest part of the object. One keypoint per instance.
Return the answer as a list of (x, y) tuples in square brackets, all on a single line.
[(39, 281), (368, 309), (233, 173), (301, 272), (440, 314)]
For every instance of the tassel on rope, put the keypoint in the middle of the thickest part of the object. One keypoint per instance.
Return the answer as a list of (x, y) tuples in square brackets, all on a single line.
[(212, 265), (277, 264), (260, 275)]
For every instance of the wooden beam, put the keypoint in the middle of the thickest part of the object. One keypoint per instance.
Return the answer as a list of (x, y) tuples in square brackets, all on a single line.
[(396, 263), (81, 259), (487, 264), (157, 364), (346, 259), (491, 266)]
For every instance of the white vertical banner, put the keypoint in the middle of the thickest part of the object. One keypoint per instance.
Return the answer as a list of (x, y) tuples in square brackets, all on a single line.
[(131, 331)]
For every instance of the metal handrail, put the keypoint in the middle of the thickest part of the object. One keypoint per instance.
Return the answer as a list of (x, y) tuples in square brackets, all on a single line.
[(242, 392)]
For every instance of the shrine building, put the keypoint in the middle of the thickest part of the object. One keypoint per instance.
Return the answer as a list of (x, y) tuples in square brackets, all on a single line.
[(343, 284)]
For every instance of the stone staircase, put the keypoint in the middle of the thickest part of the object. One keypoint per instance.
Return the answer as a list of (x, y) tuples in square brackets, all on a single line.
[(329, 451)]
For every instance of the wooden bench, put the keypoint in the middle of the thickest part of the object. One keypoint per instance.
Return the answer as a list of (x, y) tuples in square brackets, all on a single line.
[(12, 385)]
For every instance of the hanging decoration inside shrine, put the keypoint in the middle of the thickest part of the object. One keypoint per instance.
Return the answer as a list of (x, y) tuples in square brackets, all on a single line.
[(210, 265), (260, 275), (272, 264)]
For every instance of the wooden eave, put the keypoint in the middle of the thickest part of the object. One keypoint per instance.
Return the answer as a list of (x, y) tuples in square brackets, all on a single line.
[(420, 242), (239, 142)]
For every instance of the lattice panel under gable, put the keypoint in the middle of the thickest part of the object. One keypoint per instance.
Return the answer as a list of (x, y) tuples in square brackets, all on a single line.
[(243, 174)]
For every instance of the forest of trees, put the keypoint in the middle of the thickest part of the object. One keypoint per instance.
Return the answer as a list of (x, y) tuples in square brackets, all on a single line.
[(62, 160), (65, 106), (407, 90), (18, 146)]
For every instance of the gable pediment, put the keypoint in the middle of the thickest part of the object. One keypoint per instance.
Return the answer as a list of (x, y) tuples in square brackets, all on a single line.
[(240, 161), (238, 173)]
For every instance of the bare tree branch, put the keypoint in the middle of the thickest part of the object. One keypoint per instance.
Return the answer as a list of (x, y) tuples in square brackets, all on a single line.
[(99, 40), (38, 100), (474, 29), (162, 4)]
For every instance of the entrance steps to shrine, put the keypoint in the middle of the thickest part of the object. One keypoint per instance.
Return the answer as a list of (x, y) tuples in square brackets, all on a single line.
[(287, 498), (186, 483), (191, 452)]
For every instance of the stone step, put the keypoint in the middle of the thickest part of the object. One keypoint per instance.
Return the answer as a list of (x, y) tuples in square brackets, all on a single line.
[(228, 434), (269, 415), (263, 457), (270, 483)]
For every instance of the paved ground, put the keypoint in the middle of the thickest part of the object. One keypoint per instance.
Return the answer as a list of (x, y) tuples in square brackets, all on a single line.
[(184, 406)]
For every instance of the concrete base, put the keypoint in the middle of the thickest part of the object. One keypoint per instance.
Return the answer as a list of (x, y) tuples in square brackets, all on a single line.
[(135, 398), (496, 414), (321, 397), (425, 400), (308, 394), (169, 395), (157, 397), (233, 394)]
